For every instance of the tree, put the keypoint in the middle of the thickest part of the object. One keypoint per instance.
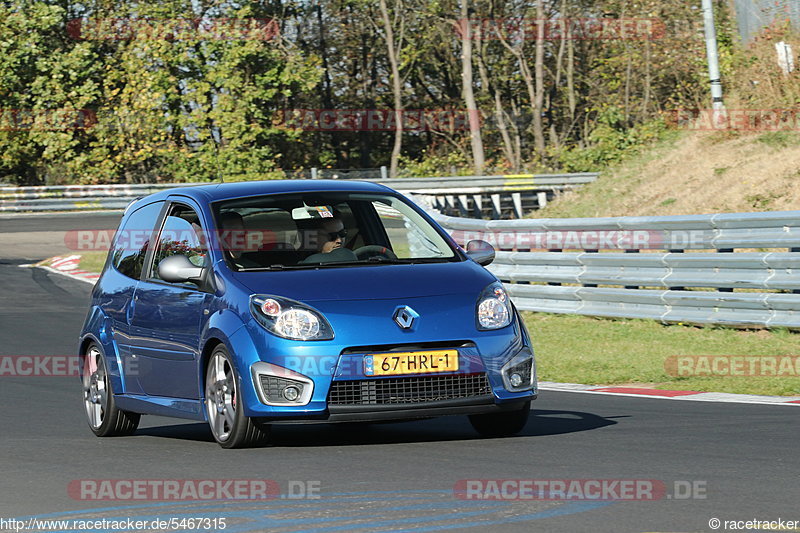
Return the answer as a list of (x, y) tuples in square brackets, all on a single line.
[(467, 83)]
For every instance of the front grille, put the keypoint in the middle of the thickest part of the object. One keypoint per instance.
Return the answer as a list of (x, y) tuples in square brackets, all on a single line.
[(418, 389)]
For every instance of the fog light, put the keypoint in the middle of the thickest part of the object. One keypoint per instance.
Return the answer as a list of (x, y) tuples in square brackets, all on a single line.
[(516, 379), (291, 393)]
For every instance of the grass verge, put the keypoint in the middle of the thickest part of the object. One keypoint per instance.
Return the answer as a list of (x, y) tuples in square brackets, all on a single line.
[(578, 349), (92, 261)]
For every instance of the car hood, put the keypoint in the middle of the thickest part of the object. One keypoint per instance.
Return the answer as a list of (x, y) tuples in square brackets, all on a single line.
[(371, 282)]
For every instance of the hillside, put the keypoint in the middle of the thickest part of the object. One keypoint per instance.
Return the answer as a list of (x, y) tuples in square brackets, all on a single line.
[(694, 173)]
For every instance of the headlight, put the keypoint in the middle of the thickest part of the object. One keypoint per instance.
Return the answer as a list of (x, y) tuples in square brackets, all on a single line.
[(494, 309), (290, 319)]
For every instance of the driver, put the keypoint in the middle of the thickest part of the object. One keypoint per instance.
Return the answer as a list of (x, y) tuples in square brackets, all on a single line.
[(331, 235)]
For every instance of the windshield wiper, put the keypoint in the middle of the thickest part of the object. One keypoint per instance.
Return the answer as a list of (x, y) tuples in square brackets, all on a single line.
[(274, 267), (381, 260), (371, 261)]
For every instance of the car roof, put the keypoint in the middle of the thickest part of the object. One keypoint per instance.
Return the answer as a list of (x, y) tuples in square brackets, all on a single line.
[(226, 191)]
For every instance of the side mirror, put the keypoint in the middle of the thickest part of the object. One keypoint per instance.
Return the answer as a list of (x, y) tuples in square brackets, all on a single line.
[(179, 269), (481, 252)]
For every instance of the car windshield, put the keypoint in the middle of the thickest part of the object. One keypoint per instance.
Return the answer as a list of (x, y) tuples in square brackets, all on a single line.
[(336, 229)]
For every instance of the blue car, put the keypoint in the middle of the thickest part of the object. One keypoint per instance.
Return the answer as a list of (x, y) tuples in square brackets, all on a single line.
[(318, 301)]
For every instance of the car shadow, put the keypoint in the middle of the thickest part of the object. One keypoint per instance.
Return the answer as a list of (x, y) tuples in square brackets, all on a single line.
[(193, 431), (444, 429)]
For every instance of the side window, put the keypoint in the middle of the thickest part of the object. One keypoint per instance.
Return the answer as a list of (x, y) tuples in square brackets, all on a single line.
[(181, 233), (132, 240)]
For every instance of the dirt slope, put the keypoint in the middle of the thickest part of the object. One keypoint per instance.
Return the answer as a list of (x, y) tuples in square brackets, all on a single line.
[(695, 173)]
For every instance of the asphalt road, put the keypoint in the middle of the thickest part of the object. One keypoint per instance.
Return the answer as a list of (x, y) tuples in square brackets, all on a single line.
[(742, 459), (36, 237)]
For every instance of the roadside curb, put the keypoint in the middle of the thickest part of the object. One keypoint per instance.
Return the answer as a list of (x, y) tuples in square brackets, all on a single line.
[(660, 394), (67, 266)]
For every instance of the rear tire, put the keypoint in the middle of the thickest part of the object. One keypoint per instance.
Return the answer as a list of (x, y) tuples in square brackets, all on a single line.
[(105, 420), (230, 427), (503, 424)]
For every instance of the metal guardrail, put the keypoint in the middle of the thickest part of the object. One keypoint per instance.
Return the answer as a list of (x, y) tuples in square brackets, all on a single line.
[(689, 272), (494, 197), (76, 197), (508, 195)]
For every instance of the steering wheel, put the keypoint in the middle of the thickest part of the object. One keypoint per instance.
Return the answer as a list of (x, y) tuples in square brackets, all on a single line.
[(374, 250)]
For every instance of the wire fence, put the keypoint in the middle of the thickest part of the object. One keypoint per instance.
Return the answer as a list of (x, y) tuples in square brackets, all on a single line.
[(754, 15)]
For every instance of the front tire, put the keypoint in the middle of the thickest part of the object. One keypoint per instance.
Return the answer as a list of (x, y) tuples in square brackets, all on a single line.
[(230, 427), (504, 424), (105, 420)]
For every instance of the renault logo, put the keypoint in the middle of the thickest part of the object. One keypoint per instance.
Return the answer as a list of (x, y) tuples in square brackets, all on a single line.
[(405, 316)]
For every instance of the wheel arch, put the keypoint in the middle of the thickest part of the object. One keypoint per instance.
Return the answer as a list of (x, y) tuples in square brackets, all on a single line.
[(209, 347)]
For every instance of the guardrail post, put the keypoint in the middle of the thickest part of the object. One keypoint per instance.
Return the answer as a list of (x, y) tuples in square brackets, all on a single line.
[(591, 252), (556, 251), (477, 206), (451, 203), (384, 173), (795, 291), (725, 251), (541, 199), (676, 288), (313, 173), (463, 207), (496, 209), (631, 252), (517, 199)]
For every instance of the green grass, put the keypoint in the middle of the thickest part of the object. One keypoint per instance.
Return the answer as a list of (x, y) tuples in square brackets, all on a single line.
[(93, 261), (779, 139), (593, 351)]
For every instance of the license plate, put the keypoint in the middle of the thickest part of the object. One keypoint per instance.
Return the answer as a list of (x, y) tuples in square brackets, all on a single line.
[(390, 364)]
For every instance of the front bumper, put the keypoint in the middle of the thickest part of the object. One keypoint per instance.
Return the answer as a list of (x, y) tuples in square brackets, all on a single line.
[(338, 388), (464, 406), (475, 388)]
